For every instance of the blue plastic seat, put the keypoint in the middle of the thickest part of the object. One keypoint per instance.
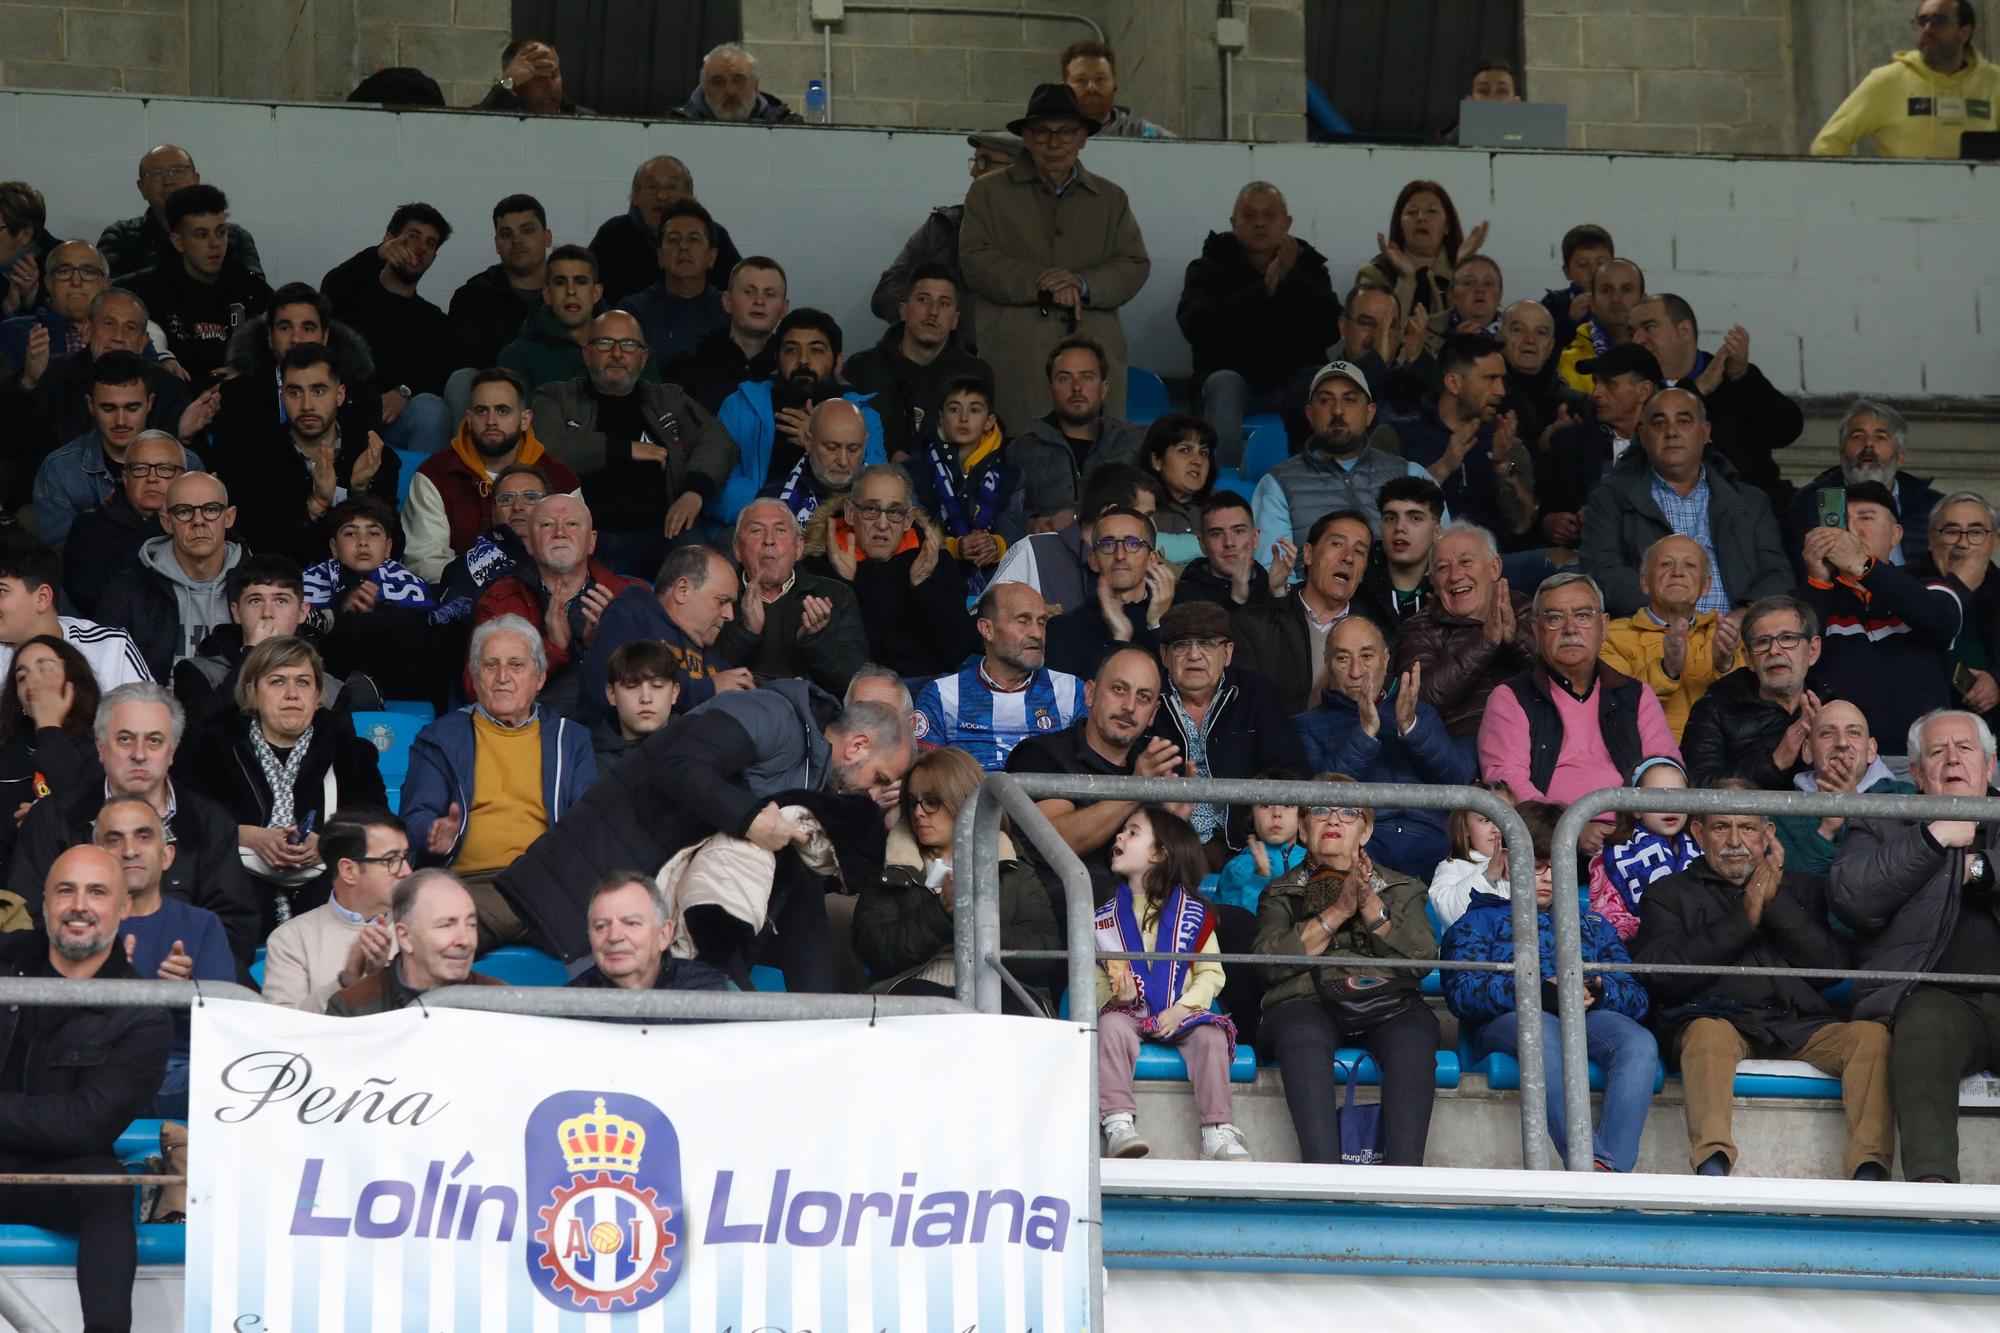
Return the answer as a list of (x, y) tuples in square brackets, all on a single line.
[(1232, 480), (391, 734), (421, 708), (1159, 1061), (764, 978), (1256, 421), (1503, 1071), (1146, 398), (518, 965), (159, 1243), (257, 969), (1265, 448), (1354, 1062), (412, 459)]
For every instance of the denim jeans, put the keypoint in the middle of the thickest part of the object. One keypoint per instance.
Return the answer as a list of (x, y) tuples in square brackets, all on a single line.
[(425, 425), (1631, 1061), (1227, 398), (171, 1102)]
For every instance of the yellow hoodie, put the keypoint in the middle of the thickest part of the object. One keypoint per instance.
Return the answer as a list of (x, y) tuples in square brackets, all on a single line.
[(1912, 110)]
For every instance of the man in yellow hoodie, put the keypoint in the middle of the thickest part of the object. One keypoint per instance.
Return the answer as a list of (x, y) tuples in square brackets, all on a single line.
[(1919, 104), (1675, 651)]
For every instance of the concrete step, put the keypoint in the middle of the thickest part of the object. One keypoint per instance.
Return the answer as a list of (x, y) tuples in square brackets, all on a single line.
[(1958, 446)]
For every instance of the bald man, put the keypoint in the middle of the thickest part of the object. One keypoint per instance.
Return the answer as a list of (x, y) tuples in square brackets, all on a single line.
[(1677, 650), (628, 246), (836, 437), (136, 244), (179, 592), (649, 454)]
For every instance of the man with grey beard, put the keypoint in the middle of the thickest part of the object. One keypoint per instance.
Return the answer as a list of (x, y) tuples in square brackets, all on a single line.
[(64, 1111), (1872, 440), (729, 91)]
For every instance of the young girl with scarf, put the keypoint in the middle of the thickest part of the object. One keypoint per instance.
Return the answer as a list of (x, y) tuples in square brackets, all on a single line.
[(1158, 857), (1640, 851)]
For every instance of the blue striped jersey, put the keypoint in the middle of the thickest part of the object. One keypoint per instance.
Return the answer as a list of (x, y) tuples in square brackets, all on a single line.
[(967, 712)]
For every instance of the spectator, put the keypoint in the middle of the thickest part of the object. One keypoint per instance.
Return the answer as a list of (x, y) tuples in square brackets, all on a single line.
[(647, 453), (61, 326), (1421, 254), (138, 731), (1753, 722), (1058, 452), (1048, 225), (936, 240), (1677, 650), (1257, 308), (1471, 449), (437, 928), (24, 236), (83, 473), (1923, 101), (1227, 573), (70, 1111), (729, 91), (1134, 588), (267, 600), (1919, 898), (1749, 416), (1475, 636), (1586, 247), (836, 439), (745, 348), (1843, 758), (448, 506), (134, 245), (674, 315), (1179, 452), (1229, 722), (1493, 80), (1615, 288), (1888, 633), (959, 475), (1577, 456), (1272, 849), (1399, 567), (768, 419), (250, 406), (379, 611), (789, 622), (1285, 639), (1006, 694), (1393, 353), (1056, 563), (489, 308), (29, 573), (1110, 736), (903, 925), (1338, 905), (905, 372), (376, 293), (1475, 298), (1676, 488), (1640, 849), (561, 591), (718, 771), (1090, 70), (176, 596), (1335, 470), (1346, 733), (349, 936), (908, 588), (105, 542), (549, 345), (1736, 907), (1962, 541), (1156, 858), (47, 702), (530, 83), (1614, 1005), (683, 614), (1539, 398), (534, 764), (201, 294), (642, 681), (1570, 724), (1872, 440), (632, 929), (1478, 862), (627, 247), (501, 549)]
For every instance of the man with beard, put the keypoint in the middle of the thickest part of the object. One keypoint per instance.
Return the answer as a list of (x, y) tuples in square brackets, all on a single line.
[(1616, 287), (82, 474), (105, 542), (447, 506), (202, 293), (1873, 437), (1923, 101), (1471, 448), (436, 927), (789, 622), (1336, 469), (685, 305), (1007, 694), (488, 309), (1539, 399), (648, 454), (745, 349), (1059, 451), (836, 438), (1090, 69), (1476, 635), (1754, 722), (729, 91), (1577, 455), (1284, 640), (376, 293), (696, 597), (768, 418), (1677, 649), (1736, 906), (250, 404), (627, 247), (906, 370)]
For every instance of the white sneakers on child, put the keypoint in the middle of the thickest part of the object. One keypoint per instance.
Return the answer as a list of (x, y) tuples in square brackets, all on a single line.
[(1223, 1143), (1121, 1139)]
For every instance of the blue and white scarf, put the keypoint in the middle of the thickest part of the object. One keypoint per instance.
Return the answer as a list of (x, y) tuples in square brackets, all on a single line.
[(963, 506), (799, 494), (1643, 858), (1185, 926)]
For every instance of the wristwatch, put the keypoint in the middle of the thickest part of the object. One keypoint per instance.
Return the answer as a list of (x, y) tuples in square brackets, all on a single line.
[(1380, 921), (507, 82), (404, 390)]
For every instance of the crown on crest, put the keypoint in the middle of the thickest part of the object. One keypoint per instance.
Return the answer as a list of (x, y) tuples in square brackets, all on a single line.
[(601, 1142)]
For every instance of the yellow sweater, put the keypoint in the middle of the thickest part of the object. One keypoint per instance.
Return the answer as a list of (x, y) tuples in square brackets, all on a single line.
[(1204, 980), (507, 811), (1637, 646), (1912, 110)]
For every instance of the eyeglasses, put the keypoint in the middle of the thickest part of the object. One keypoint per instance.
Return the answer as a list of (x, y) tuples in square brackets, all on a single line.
[(622, 344), (146, 471), (1046, 133), (388, 860), (185, 513), (927, 803), (1110, 545), (1583, 616), (874, 512), (518, 497), (983, 162), (1764, 643), (1956, 534), (165, 173), (76, 272), (1923, 21), (1347, 814), (1182, 646)]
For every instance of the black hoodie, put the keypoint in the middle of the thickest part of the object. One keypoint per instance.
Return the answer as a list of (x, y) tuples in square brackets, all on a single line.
[(487, 313), (200, 318), (908, 396), (1233, 322)]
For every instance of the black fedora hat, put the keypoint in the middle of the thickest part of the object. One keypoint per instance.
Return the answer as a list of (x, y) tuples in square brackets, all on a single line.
[(1053, 101)]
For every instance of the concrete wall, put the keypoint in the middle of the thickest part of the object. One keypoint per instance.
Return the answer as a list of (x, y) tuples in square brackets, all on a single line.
[(456, 42), (1851, 276), (138, 46)]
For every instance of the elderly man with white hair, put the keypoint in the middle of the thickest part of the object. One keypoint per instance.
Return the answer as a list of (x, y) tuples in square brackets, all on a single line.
[(1920, 897), (1476, 634), (632, 929), (729, 91), (789, 622), (487, 780), (1873, 442)]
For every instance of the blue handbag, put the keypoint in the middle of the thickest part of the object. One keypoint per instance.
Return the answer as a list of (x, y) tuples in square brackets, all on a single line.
[(1360, 1126)]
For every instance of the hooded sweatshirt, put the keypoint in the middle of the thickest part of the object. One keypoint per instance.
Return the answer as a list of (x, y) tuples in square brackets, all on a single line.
[(1912, 110), (450, 502), (202, 603)]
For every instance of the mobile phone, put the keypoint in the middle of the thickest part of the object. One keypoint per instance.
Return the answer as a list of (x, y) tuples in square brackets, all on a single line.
[(304, 828), (1832, 506), (1961, 679)]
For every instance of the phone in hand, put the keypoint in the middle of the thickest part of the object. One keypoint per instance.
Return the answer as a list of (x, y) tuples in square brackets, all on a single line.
[(303, 829), (1832, 506)]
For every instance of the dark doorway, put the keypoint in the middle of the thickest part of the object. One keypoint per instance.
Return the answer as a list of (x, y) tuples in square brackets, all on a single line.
[(630, 57), (1396, 69)]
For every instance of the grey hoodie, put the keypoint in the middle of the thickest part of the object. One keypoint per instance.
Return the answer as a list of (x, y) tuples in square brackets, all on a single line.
[(203, 604)]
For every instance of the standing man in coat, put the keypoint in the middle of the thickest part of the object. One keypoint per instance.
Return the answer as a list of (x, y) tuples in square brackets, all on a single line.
[(1049, 249)]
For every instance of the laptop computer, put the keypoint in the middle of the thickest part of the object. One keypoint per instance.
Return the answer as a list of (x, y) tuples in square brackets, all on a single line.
[(1513, 125), (1979, 146)]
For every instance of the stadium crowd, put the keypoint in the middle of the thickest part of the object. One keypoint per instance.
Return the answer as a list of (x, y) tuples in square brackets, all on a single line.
[(724, 611)]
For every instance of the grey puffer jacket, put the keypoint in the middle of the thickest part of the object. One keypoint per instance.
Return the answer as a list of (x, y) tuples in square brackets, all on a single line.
[(1050, 478)]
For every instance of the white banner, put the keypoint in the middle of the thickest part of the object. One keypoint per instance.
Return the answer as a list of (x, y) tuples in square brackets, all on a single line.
[(453, 1170)]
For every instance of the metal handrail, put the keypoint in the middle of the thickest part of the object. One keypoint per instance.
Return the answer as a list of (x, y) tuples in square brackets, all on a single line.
[(1567, 912), (680, 1005)]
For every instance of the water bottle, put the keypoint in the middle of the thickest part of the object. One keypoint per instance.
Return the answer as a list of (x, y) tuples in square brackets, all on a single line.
[(816, 103)]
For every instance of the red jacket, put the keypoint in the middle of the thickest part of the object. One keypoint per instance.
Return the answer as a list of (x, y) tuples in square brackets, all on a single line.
[(450, 504), (523, 595)]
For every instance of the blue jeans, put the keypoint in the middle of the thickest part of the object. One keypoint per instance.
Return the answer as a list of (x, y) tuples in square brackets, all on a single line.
[(171, 1102), (1631, 1061), (1227, 398), (425, 425)]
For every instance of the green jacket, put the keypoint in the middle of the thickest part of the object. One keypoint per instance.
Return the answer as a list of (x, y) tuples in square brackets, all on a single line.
[(545, 353), (1806, 852), (1282, 908)]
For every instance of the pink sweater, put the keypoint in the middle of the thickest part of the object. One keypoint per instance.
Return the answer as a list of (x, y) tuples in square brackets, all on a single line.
[(1584, 764)]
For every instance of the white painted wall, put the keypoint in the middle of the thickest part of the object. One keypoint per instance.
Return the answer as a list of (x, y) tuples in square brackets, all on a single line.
[(1863, 276)]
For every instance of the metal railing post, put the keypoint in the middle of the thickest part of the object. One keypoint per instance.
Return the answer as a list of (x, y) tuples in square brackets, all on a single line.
[(967, 890), (1566, 911), (986, 904)]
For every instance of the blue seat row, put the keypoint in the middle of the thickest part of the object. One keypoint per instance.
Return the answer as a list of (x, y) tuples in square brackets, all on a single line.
[(1798, 1079), (159, 1243)]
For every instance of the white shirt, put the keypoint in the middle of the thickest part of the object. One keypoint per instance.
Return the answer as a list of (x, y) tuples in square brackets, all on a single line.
[(114, 659)]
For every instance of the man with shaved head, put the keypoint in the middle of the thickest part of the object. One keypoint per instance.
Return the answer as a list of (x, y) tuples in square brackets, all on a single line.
[(628, 246), (179, 591), (1842, 756), (649, 455), (136, 244), (836, 438)]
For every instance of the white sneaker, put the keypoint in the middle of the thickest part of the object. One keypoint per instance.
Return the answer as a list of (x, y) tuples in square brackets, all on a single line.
[(1223, 1143), (1121, 1139)]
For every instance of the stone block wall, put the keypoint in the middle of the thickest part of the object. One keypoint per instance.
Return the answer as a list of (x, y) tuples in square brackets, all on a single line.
[(456, 42), (136, 46)]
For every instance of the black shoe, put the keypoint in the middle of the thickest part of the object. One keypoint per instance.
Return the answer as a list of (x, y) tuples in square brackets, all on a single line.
[(1871, 1171), (1716, 1165)]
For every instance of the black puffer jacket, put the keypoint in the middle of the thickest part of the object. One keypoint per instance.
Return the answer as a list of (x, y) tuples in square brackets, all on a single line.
[(1732, 730), (908, 397), (1232, 321), (486, 314), (249, 401), (1900, 892), (1249, 731)]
